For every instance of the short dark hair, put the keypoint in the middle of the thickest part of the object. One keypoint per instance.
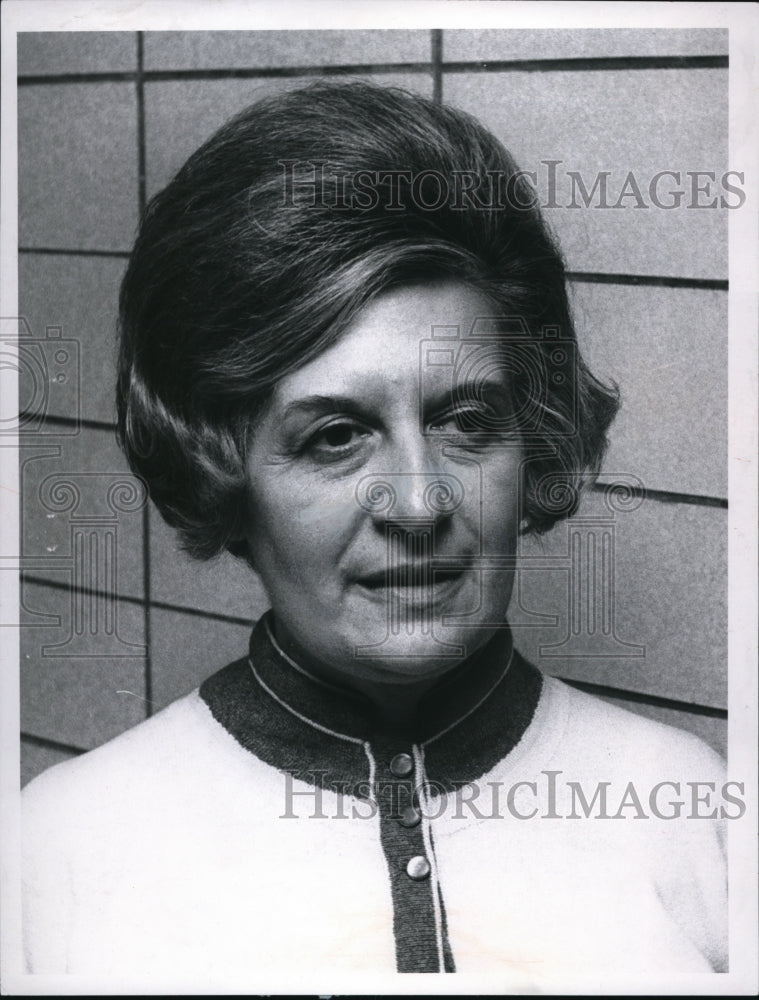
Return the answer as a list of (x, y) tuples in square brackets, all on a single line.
[(272, 237)]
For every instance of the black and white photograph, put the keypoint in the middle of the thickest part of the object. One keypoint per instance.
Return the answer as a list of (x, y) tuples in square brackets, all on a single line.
[(379, 453)]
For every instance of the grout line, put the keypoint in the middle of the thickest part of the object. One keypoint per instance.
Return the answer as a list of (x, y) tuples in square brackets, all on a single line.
[(663, 496), (599, 278), (69, 252), (248, 73), (286, 72), (40, 79), (142, 202), (128, 599), (648, 699), (482, 66), (95, 425), (140, 95), (587, 64), (436, 45), (48, 744), (147, 607)]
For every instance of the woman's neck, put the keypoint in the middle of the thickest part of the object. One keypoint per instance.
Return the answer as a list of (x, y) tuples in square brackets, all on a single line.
[(396, 698)]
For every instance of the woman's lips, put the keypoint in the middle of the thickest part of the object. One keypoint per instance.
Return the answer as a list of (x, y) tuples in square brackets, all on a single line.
[(413, 584), (408, 576)]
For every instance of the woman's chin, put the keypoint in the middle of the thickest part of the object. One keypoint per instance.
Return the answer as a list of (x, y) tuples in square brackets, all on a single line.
[(408, 658), (422, 647), (411, 629)]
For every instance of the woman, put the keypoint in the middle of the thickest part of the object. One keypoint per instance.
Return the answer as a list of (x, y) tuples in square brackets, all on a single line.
[(347, 357)]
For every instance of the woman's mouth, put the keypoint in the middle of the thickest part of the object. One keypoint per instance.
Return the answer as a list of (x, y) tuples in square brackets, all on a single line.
[(420, 584)]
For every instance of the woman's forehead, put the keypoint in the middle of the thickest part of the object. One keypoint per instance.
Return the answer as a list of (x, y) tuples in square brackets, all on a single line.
[(410, 336)]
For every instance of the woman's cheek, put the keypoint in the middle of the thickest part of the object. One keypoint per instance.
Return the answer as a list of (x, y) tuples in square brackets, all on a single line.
[(325, 519)]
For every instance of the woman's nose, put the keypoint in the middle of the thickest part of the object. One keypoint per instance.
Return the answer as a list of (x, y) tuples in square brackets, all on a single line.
[(418, 492)]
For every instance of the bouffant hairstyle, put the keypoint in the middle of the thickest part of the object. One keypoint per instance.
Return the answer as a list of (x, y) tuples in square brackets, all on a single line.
[(270, 239)]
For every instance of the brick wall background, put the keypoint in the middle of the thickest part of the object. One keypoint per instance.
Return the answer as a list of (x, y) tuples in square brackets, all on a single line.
[(104, 121)]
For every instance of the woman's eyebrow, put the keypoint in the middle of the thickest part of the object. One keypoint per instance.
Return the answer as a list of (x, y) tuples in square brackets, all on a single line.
[(316, 404), (468, 390)]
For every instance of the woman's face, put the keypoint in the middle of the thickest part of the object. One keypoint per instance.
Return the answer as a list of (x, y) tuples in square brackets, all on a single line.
[(384, 493)]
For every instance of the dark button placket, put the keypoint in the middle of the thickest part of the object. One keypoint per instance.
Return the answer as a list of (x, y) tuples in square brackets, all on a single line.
[(418, 918)]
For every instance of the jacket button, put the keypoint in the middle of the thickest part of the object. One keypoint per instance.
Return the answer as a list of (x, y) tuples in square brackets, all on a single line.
[(410, 817), (401, 765), (418, 868)]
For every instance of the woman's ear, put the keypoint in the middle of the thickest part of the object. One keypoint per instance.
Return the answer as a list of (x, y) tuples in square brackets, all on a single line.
[(524, 519), (237, 542), (240, 550)]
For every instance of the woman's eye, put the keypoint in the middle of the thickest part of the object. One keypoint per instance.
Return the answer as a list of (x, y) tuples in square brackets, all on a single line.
[(337, 436), (464, 422), (336, 441)]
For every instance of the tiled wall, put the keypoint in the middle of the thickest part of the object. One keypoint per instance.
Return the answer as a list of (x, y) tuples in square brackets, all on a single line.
[(104, 121)]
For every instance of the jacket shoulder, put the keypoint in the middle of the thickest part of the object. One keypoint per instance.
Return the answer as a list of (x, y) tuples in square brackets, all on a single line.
[(614, 735)]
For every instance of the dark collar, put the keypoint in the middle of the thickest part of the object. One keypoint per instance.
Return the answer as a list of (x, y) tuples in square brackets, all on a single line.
[(294, 721)]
